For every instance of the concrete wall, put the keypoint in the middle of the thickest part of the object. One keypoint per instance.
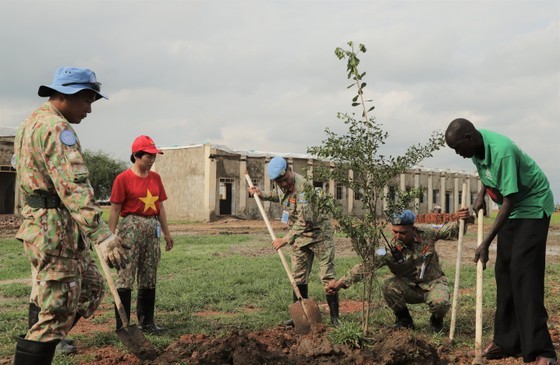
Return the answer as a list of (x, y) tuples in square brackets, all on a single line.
[(183, 174)]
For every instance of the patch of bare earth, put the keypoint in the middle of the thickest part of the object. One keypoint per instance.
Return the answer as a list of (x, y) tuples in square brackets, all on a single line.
[(279, 345)]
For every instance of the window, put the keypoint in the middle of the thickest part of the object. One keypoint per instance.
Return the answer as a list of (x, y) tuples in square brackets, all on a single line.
[(339, 190)]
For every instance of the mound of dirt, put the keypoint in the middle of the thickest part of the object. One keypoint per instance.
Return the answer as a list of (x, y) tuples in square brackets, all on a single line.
[(280, 346)]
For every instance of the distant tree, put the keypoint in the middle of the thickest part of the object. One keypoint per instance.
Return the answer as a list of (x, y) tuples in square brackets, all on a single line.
[(103, 169), (354, 161)]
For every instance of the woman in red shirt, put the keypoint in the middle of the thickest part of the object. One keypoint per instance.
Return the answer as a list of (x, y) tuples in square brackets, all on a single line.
[(138, 197)]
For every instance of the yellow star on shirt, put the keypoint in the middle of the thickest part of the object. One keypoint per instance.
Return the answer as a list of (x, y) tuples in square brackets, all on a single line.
[(149, 201)]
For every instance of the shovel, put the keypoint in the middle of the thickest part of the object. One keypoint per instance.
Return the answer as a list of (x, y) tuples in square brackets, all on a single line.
[(479, 282), (304, 312), (132, 337), (457, 268)]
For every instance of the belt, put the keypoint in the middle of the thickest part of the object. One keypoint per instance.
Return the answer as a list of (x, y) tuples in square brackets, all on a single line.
[(40, 201)]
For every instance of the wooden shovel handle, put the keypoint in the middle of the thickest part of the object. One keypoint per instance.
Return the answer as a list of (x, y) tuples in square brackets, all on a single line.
[(479, 277), (282, 258), (458, 267), (112, 288)]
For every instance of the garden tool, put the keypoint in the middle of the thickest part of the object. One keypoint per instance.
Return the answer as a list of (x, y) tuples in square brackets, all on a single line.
[(131, 336), (458, 268), (305, 311)]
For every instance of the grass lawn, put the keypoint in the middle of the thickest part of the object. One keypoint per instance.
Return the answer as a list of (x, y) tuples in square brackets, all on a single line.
[(217, 283)]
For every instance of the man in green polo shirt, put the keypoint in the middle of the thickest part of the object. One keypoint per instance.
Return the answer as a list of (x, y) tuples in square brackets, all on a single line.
[(516, 183)]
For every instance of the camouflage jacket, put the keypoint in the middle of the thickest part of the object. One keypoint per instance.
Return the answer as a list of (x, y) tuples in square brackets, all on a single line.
[(421, 261), (306, 225), (49, 162)]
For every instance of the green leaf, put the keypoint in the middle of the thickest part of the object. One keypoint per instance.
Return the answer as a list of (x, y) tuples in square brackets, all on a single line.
[(370, 109), (339, 53), (363, 85), (355, 104)]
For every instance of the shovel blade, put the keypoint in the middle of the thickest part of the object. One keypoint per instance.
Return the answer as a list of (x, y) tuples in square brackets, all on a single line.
[(134, 340), (305, 313)]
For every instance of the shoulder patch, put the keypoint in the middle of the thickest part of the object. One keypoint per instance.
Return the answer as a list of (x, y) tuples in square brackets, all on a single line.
[(67, 137), (302, 199)]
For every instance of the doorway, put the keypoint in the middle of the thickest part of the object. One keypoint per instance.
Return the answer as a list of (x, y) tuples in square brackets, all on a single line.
[(226, 196)]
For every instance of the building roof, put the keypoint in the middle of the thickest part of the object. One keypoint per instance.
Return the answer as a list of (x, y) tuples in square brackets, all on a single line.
[(248, 153), (7, 131)]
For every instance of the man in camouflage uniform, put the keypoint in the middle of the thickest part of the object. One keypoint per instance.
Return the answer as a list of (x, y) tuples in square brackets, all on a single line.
[(310, 234), (59, 209), (417, 274)]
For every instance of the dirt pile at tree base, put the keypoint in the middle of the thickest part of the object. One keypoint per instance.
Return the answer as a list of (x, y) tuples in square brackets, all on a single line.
[(278, 346)]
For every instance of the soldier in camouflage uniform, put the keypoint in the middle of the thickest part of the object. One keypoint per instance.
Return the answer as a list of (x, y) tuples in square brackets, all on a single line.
[(58, 207), (137, 196), (310, 235), (65, 346), (417, 274)]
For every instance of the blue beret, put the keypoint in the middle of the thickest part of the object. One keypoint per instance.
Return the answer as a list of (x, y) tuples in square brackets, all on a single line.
[(277, 167), (406, 217)]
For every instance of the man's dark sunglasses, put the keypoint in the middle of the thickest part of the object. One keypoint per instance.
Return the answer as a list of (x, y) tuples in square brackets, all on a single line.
[(93, 85)]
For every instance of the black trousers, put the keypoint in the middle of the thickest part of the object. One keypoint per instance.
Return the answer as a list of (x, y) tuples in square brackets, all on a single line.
[(520, 322)]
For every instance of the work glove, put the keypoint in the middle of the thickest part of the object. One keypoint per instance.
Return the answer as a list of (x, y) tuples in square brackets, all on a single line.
[(114, 252)]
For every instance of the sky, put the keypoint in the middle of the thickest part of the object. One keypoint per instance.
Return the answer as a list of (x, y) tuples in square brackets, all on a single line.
[(262, 75)]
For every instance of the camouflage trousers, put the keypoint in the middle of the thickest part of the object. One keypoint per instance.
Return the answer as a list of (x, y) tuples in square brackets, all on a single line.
[(302, 260), (60, 300), (398, 293), (144, 254)]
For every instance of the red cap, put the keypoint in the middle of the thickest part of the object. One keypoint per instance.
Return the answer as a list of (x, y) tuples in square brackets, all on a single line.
[(146, 144)]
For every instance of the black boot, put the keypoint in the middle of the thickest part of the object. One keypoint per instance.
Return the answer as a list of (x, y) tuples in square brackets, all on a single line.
[(436, 324), (33, 352), (145, 307), (303, 291), (33, 316), (125, 295), (404, 320), (332, 301)]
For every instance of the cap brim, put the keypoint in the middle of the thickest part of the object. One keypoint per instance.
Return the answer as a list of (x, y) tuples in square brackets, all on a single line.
[(152, 150), (45, 90)]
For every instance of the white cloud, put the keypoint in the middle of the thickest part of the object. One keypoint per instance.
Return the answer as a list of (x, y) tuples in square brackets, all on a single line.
[(262, 74)]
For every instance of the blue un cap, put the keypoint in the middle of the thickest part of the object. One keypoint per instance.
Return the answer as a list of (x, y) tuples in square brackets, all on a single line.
[(404, 218), (277, 167), (70, 80)]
